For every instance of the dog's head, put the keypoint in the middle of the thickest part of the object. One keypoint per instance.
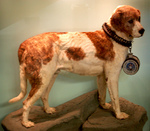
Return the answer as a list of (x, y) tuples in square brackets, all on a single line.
[(127, 20)]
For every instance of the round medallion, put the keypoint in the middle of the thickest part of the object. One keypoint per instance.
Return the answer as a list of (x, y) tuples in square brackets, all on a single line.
[(131, 65)]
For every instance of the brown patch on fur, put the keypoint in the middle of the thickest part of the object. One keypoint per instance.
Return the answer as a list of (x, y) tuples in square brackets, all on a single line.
[(120, 19), (103, 45), (33, 52), (75, 53)]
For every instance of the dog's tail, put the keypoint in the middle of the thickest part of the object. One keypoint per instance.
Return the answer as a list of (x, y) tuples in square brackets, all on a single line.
[(23, 86)]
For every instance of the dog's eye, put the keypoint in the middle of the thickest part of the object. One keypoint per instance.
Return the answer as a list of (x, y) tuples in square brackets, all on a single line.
[(130, 21)]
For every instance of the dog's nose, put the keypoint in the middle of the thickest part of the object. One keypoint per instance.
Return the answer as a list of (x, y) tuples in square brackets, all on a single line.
[(142, 31)]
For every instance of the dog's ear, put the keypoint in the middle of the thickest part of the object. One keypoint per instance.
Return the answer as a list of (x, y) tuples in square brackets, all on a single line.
[(139, 12), (116, 19)]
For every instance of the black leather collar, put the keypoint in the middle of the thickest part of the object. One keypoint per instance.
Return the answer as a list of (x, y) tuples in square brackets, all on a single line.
[(115, 37)]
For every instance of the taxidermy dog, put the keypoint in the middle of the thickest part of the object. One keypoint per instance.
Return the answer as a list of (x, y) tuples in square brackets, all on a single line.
[(100, 53)]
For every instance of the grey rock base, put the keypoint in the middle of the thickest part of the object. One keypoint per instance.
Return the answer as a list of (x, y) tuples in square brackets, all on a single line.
[(104, 120), (81, 113)]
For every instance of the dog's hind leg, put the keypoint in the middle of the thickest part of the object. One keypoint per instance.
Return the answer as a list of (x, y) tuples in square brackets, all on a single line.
[(32, 98), (45, 96), (101, 83), (36, 92)]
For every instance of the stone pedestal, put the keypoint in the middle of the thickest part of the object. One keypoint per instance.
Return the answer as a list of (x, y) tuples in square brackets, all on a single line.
[(68, 117), (104, 120), (81, 113)]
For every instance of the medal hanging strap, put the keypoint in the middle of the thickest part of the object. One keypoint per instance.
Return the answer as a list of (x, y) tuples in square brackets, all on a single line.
[(130, 49)]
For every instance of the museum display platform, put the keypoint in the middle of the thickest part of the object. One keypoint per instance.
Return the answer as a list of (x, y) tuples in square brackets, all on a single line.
[(81, 113)]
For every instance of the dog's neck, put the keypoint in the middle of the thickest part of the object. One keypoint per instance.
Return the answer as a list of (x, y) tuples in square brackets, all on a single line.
[(117, 36)]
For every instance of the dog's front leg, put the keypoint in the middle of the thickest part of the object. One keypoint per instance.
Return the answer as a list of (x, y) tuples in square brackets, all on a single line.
[(112, 83), (101, 83)]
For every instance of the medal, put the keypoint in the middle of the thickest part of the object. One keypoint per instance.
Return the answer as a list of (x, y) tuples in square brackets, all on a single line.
[(132, 64)]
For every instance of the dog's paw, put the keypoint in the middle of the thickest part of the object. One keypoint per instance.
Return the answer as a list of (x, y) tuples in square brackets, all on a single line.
[(28, 124), (50, 110), (106, 106), (122, 115)]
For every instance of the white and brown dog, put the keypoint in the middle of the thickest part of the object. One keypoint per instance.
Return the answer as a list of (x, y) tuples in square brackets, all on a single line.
[(100, 53)]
